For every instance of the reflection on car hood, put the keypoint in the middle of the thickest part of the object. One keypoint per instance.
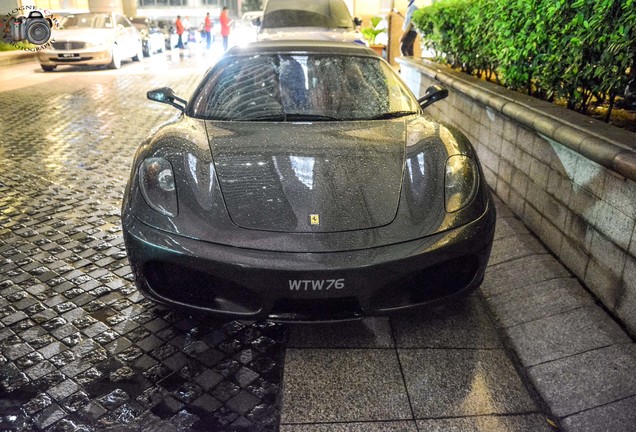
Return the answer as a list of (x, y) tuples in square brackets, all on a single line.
[(304, 177), (310, 33)]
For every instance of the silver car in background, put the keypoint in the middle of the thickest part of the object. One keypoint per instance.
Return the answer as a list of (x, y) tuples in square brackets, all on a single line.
[(328, 20), (92, 39)]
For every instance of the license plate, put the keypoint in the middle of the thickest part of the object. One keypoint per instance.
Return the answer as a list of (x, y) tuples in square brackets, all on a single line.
[(316, 284), (68, 55)]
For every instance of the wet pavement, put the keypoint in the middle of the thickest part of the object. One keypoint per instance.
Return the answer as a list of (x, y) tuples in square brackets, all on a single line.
[(82, 350)]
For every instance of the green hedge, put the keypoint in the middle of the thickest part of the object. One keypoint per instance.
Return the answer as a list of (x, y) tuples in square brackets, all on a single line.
[(578, 50)]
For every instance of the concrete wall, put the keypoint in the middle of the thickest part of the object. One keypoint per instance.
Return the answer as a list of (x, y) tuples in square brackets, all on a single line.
[(569, 178)]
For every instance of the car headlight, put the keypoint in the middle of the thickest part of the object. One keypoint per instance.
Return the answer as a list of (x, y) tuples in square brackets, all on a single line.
[(156, 180), (460, 185)]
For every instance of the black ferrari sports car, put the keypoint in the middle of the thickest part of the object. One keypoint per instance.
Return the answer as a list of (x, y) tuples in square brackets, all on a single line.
[(303, 181)]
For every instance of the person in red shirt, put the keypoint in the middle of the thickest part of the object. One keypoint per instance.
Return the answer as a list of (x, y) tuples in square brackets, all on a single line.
[(225, 26), (208, 29), (180, 29)]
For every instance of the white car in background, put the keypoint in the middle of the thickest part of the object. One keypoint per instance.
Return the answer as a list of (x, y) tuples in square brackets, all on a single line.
[(328, 20), (92, 39)]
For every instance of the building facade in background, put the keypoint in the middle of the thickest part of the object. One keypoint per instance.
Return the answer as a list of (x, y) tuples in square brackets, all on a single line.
[(158, 9)]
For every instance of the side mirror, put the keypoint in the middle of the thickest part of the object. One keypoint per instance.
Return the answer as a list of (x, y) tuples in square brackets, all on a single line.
[(357, 22), (256, 22), (166, 95), (433, 94)]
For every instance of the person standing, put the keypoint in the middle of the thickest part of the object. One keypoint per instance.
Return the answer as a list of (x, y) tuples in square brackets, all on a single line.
[(225, 26), (186, 29), (408, 36), (207, 28), (180, 29)]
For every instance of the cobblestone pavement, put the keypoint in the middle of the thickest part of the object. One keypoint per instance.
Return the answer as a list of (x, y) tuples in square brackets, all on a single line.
[(80, 348)]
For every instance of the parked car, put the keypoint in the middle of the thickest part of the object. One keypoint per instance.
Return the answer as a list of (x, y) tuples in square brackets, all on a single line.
[(169, 32), (308, 19), (244, 30), (303, 181), (92, 39), (152, 38)]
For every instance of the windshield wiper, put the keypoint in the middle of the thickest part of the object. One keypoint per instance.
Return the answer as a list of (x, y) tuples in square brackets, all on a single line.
[(392, 115), (266, 117), (310, 117)]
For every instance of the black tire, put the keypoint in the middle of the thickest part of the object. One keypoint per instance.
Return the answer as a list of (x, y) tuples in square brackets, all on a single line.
[(46, 68), (140, 53)]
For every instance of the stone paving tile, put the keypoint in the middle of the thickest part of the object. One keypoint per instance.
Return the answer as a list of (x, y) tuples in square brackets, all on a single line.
[(455, 325), (513, 247), (367, 333), (521, 273), (465, 382), (564, 335), (539, 301), (343, 385), (588, 380), (508, 227), (509, 423), (79, 346), (618, 416), (398, 426)]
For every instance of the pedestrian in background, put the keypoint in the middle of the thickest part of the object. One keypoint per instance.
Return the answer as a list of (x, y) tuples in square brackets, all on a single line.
[(208, 29), (187, 30), (408, 36), (225, 26), (180, 29)]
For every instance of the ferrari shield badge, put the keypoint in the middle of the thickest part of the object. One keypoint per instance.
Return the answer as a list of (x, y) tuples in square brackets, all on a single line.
[(314, 219)]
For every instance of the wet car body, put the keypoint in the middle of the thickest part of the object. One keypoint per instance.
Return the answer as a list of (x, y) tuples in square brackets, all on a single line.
[(305, 217), (92, 39)]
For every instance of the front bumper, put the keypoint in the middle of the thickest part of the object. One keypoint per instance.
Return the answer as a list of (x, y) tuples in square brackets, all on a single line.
[(238, 283), (90, 57)]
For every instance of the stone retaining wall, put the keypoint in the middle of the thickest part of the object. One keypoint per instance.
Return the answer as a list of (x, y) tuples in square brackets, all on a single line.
[(570, 178)]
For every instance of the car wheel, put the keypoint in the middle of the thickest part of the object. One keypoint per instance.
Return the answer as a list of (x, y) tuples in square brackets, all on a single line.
[(140, 52), (46, 68), (115, 62)]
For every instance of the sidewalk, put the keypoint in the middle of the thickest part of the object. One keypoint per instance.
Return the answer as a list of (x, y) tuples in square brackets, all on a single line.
[(8, 58), (577, 357)]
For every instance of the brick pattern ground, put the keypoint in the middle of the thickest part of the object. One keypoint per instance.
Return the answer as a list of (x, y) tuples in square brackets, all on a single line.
[(80, 348)]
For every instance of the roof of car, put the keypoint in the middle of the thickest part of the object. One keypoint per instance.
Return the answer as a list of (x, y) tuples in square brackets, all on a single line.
[(301, 46)]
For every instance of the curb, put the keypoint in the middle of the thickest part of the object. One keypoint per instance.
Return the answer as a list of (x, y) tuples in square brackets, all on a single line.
[(8, 58), (578, 359)]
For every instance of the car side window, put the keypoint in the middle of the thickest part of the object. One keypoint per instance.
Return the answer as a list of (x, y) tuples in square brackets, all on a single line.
[(122, 21)]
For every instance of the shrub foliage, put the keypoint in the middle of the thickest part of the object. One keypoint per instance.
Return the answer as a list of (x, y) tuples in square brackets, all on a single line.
[(577, 50)]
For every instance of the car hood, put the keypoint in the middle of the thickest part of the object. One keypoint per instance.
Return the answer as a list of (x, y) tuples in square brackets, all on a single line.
[(309, 177), (94, 36)]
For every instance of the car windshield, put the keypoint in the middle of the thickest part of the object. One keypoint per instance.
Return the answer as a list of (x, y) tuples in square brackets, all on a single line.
[(87, 20), (311, 87), (140, 23), (307, 13)]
